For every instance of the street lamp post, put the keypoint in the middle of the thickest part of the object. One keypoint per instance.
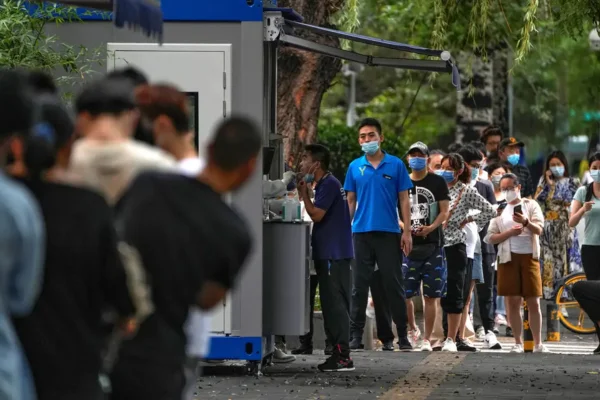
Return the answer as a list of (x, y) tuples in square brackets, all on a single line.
[(352, 70)]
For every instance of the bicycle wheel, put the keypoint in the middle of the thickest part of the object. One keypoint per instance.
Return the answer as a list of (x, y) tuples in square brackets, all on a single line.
[(570, 314)]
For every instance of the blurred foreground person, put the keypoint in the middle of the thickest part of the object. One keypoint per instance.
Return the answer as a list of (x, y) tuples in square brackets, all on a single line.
[(192, 246), (107, 157), (21, 240), (83, 274)]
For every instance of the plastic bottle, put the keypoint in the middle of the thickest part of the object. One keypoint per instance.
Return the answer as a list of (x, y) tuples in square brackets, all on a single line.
[(287, 210), (296, 208)]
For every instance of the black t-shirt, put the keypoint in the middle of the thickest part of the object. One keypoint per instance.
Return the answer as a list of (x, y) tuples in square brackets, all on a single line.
[(425, 196), (83, 277), (185, 235)]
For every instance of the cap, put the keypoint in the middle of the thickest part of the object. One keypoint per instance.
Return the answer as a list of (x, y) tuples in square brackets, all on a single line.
[(508, 142), (422, 147)]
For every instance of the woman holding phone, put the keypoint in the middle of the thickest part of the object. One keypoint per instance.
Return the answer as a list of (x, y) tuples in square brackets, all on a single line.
[(516, 231)]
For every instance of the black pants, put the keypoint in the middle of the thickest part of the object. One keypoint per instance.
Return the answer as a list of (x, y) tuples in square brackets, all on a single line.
[(485, 293), (587, 294), (307, 339), (460, 284), (140, 379), (382, 248), (383, 314), (590, 258), (335, 282)]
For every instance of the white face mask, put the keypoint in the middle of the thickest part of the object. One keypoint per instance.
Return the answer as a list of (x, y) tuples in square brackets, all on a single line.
[(512, 195)]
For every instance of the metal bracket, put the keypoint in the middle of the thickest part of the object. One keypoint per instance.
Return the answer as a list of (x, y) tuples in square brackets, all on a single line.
[(273, 22)]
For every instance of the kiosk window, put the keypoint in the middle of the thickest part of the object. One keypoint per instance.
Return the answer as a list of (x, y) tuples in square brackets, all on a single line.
[(193, 108)]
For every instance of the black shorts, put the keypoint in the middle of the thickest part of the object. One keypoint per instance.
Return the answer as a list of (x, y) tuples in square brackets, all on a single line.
[(458, 272)]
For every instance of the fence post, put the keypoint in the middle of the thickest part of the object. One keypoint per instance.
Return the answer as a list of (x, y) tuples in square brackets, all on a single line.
[(527, 334), (552, 323)]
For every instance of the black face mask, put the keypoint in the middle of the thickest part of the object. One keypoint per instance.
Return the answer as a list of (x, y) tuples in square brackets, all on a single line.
[(143, 132)]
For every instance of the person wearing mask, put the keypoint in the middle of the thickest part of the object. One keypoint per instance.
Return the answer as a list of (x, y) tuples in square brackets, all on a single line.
[(491, 138), (107, 158), (509, 151), (375, 184), (559, 244), (483, 175), (83, 271), (435, 160), (483, 254), (425, 264), (23, 240), (332, 251), (516, 232), (463, 199), (186, 261), (586, 204)]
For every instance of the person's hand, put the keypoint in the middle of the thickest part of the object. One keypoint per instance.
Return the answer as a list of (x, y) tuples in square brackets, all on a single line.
[(406, 242), (520, 219), (288, 176), (424, 231), (516, 230), (303, 189), (465, 222), (549, 176), (587, 206)]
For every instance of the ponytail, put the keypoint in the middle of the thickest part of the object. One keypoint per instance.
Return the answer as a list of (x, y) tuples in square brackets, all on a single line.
[(40, 153)]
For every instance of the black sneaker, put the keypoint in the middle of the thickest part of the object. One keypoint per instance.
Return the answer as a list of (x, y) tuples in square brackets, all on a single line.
[(465, 345), (328, 350), (509, 332), (597, 351), (404, 344), (388, 345), (337, 363), (356, 345), (303, 349)]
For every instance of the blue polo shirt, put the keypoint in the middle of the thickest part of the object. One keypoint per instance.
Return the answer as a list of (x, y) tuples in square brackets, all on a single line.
[(377, 193)]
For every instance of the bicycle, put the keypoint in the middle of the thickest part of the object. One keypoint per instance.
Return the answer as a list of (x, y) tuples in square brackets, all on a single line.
[(575, 320)]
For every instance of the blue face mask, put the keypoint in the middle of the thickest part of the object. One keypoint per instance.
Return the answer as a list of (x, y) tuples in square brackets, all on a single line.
[(474, 174), (595, 174), (447, 175), (309, 178), (514, 159), (558, 172), (370, 147), (417, 163)]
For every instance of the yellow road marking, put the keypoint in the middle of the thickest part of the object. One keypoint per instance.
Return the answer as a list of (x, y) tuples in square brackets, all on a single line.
[(422, 379)]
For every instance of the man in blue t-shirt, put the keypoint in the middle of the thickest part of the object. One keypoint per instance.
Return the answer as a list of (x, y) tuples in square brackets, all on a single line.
[(331, 250), (375, 184)]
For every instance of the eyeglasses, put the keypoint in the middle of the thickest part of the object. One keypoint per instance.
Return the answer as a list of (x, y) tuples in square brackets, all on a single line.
[(511, 189)]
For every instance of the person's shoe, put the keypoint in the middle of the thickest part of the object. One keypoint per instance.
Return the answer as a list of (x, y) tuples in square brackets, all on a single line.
[(404, 344), (414, 336), (303, 350), (337, 363), (540, 348), (500, 320), (564, 312), (480, 334), (509, 332), (280, 357), (328, 349), (597, 351), (465, 345), (449, 346), (496, 329), (517, 348), (492, 342), (388, 345), (426, 345), (356, 345)]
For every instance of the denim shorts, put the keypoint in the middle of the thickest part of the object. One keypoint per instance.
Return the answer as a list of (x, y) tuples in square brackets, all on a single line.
[(431, 271), (478, 269)]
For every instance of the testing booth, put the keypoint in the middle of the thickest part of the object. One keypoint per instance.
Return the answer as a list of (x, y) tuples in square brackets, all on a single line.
[(223, 54)]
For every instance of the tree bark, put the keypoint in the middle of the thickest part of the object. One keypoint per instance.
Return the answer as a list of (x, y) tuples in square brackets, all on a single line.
[(303, 77)]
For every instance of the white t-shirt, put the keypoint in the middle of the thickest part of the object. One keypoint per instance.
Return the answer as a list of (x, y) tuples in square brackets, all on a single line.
[(472, 238), (522, 244)]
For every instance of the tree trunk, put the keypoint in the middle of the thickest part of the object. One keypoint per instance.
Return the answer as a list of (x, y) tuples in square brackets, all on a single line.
[(303, 77)]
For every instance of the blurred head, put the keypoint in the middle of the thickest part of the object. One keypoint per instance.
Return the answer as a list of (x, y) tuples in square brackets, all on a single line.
[(491, 137), (104, 99), (511, 187), (454, 169), (370, 135), (435, 160), (418, 156), (473, 158), (133, 75), (41, 82), (557, 164), (232, 154), (495, 172), (165, 109), (315, 161)]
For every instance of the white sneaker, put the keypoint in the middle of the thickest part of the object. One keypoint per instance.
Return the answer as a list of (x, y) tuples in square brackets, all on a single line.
[(426, 345), (449, 346), (500, 320), (540, 348), (414, 336), (564, 312), (480, 334), (518, 348), (492, 342)]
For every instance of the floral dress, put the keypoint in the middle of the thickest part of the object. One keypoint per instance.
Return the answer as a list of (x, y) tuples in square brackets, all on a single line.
[(559, 255)]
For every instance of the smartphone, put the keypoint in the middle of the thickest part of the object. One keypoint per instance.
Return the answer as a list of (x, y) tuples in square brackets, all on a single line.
[(502, 206), (518, 209)]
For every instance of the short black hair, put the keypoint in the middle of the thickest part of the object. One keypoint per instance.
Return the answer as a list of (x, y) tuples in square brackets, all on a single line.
[(498, 164), (132, 74), (370, 122), (455, 147), (478, 145), (237, 140), (512, 176), (16, 103), (470, 154), (319, 153), (491, 131), (42, 82), (106, 96)]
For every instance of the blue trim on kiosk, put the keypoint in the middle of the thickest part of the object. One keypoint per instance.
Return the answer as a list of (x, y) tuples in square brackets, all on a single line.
[(235, 348)]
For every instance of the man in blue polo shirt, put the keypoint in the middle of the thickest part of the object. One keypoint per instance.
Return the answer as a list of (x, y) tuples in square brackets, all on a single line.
[(331, 249), (375, 184)]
